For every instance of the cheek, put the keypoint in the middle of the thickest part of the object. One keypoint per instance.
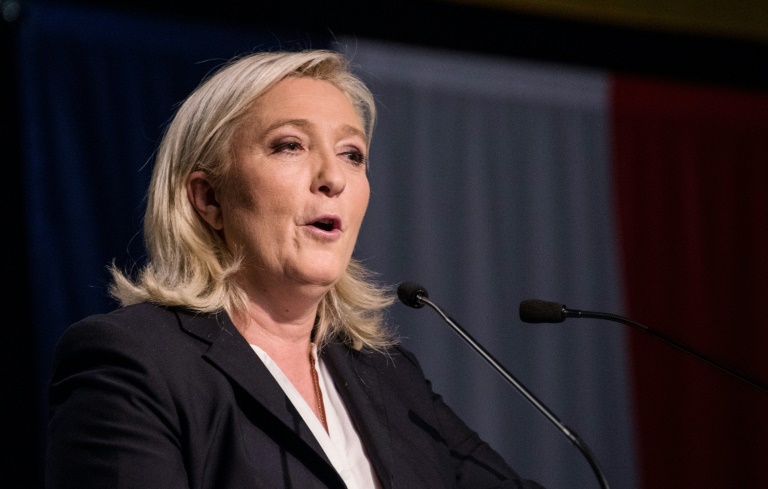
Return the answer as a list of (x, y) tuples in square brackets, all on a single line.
[(259, 195)]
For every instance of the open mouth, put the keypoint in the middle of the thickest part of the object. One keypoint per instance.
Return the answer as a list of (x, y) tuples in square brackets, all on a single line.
[(325, 224)]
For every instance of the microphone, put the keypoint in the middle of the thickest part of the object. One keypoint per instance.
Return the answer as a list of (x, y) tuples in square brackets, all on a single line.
[(411, 294), (414, 295), (538, 311)]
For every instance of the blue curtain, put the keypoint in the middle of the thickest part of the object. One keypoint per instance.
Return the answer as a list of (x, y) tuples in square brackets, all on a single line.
[(97, 88), (491, 185)]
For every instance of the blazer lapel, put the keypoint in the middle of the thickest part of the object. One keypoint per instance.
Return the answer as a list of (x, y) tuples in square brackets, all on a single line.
[(356, 381), (235, 358)]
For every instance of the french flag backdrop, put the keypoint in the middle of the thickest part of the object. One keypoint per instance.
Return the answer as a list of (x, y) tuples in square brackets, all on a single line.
[(690, 171), (493, 181)]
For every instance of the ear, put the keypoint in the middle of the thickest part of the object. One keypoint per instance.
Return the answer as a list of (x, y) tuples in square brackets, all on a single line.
[(203, 198)]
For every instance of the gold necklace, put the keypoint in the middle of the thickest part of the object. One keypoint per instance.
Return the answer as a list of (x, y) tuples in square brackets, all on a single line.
[(318, 392)]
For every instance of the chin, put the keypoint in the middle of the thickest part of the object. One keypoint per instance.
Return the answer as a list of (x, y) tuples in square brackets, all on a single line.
[(324, 268), (320, 279)]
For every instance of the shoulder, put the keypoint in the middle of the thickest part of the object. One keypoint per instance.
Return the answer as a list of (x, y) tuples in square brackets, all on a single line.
[(138, 323), (138, 317), (148, 321), (395, 359), (142, 332), (392, 358), (143, 347), (394, 367)]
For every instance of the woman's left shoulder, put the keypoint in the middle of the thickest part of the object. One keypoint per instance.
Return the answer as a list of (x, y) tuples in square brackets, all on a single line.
[(393, 361), (396, 356)]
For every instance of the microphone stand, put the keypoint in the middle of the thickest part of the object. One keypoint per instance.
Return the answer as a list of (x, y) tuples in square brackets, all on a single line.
[(570, 434), (576, 313)]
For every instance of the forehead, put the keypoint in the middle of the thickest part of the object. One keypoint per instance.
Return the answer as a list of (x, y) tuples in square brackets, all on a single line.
[(306, 98)]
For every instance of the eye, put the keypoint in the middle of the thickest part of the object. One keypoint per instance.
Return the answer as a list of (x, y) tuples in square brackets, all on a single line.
[(355, 156), (286, 147)]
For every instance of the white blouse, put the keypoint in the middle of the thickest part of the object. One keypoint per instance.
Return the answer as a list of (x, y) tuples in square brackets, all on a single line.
[(341, 443)]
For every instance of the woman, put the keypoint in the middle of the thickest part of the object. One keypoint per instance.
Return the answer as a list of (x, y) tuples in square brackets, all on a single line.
[(249, 351)]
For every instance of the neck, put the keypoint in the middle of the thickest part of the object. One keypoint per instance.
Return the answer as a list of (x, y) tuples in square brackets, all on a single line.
[(280, 320)]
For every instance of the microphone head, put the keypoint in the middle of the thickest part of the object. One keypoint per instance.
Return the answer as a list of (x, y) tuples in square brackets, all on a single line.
[(410, 294), (538, 311)]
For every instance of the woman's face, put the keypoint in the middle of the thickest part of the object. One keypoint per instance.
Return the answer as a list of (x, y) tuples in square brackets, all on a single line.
[(298, 190)]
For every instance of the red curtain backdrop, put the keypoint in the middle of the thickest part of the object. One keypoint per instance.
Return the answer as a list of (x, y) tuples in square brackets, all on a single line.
[(691, 178)]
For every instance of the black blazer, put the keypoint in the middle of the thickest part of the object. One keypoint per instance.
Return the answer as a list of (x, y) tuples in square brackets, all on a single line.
[(161, 398)]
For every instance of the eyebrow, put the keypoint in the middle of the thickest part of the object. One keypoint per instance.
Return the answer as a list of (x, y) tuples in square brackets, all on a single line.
[(304, 123)]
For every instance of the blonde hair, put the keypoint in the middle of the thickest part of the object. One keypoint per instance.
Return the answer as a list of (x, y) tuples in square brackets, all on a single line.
[(188, 263)]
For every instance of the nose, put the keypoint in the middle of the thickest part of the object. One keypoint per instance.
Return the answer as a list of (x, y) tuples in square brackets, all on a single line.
[(329, 178)]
